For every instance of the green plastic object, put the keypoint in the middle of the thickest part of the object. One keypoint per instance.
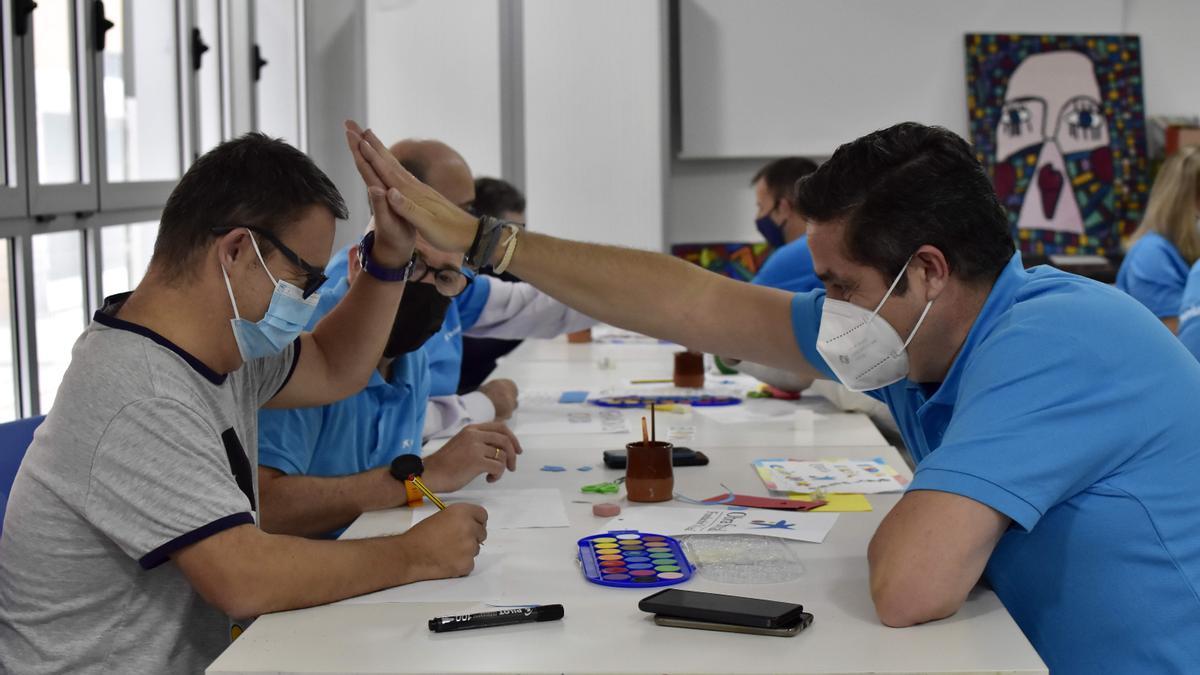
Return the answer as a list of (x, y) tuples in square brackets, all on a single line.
[(600, 488)]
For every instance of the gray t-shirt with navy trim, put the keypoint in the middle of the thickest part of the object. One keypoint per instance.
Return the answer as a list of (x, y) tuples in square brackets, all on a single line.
[(146, 451)]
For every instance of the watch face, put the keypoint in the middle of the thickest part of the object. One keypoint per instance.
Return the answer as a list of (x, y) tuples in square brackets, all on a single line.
[(407, 466)]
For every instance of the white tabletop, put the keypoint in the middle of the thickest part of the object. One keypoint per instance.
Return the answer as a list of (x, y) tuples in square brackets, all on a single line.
[(603, 631)]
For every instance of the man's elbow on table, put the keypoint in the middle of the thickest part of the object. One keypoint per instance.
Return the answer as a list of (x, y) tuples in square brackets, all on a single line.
[(902, 599), (928, 554)]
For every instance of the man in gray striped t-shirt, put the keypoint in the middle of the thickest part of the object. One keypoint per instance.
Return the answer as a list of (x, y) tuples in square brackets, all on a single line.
[(130, 538)]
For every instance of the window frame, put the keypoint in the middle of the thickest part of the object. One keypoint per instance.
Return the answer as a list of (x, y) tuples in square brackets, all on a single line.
[(49, 201), (14, 195), (141, 194)]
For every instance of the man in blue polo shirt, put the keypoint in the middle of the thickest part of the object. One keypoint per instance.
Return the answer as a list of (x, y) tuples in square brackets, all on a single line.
[(790, 265), (1053, 418), (321, 467)]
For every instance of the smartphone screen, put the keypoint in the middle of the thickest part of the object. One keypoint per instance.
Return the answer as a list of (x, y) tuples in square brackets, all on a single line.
[(728, 609)]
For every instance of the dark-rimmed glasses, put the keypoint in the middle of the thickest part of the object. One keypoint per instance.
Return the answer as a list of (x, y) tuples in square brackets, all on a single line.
[(314, 277), (448, 281)]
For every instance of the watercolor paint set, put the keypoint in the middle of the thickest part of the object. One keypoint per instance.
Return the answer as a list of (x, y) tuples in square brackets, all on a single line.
[(632, 559)]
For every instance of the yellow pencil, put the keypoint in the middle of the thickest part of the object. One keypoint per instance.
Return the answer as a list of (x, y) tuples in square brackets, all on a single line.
[(416, 480), (661, 381)]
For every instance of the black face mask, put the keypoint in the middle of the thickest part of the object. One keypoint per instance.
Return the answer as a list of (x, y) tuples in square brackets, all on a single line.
[(419, 317)]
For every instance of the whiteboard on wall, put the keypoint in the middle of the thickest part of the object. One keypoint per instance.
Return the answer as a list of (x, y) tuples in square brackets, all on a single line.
[(765, 78)]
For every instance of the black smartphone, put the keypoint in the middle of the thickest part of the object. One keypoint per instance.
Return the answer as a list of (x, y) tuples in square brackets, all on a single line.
[(726, 609), (616, 459), (805, 621)]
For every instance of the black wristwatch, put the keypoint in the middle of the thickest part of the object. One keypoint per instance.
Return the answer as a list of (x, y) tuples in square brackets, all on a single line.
[(407, 466), (378, 271)]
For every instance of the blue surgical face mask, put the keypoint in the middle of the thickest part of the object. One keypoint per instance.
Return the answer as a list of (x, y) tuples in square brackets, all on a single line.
[(286, 317), (770, 230)]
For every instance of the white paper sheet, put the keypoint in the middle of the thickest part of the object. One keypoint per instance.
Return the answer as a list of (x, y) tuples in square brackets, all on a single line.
[(568, 419), (508, 509), (810, 527)]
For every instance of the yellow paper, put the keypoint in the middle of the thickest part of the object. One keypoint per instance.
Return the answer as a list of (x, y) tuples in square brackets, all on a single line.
[(837, 502)]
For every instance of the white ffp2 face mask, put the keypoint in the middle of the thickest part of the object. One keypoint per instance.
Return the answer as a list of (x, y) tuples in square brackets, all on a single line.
[(861, 347)]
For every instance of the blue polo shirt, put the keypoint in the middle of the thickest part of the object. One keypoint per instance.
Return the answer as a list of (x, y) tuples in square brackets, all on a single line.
[(358, 433), (1154, 273), (1189, 312), (1072, 411), (789, 268), (445, 348)]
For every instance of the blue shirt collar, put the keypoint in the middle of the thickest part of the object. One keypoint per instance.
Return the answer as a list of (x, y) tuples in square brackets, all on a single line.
[(999, 300)]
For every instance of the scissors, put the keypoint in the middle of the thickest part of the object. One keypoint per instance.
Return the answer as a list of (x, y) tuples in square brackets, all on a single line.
[(603, 488)]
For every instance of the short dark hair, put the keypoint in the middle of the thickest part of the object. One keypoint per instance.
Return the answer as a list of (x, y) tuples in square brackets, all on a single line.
[(906, 186), (252, 180), (494, 197), (780, 175)]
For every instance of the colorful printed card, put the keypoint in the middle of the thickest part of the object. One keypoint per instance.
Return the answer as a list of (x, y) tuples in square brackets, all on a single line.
[(851, 476)]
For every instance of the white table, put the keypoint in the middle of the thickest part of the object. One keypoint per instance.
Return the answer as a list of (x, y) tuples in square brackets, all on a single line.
[(603, 630)]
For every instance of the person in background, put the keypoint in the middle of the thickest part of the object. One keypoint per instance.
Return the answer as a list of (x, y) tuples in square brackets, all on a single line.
[(789, 267), (1189, 312), (321, 467), (1053, 421), (1167, 242), (130, 537), (499, 199)]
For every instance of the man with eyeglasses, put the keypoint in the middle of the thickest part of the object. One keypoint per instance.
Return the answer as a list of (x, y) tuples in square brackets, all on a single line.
[(130, 536), (321, 467)]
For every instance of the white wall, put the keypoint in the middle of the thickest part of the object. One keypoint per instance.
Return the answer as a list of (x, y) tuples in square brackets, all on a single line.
[(596, 132), (434, 71), (803, 76), (708, 198), (1170, 53), (598, 163), (334, 68)]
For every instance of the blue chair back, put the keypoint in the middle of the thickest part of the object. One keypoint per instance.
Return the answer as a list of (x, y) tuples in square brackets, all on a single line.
[(15, 438)]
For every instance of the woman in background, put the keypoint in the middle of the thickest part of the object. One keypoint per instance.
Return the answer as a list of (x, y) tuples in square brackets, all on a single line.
[(1168, 241)]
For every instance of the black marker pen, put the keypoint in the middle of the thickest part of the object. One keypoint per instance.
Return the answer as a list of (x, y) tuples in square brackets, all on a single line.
[(504, 617)]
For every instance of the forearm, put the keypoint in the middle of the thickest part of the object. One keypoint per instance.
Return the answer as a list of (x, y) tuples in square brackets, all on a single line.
[(278, 572), (309, 506), (664, 297), (352, 336), (776, 377)]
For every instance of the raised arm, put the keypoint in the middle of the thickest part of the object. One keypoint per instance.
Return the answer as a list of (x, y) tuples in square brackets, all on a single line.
[(650, 293), (338, 356)]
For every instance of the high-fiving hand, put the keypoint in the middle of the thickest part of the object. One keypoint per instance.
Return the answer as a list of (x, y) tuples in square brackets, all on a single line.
[(394, 237), (439, 221)]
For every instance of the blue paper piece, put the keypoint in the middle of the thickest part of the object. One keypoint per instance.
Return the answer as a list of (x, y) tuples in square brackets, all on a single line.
[(584, 468), (573, 397), (551, 467)]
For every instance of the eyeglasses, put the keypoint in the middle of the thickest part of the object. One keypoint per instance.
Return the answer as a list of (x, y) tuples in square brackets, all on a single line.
[(447, 280), (314, 277)]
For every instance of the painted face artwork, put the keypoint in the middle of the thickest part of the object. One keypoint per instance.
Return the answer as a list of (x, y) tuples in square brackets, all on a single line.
[(1054, 164), (1058, 122)]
